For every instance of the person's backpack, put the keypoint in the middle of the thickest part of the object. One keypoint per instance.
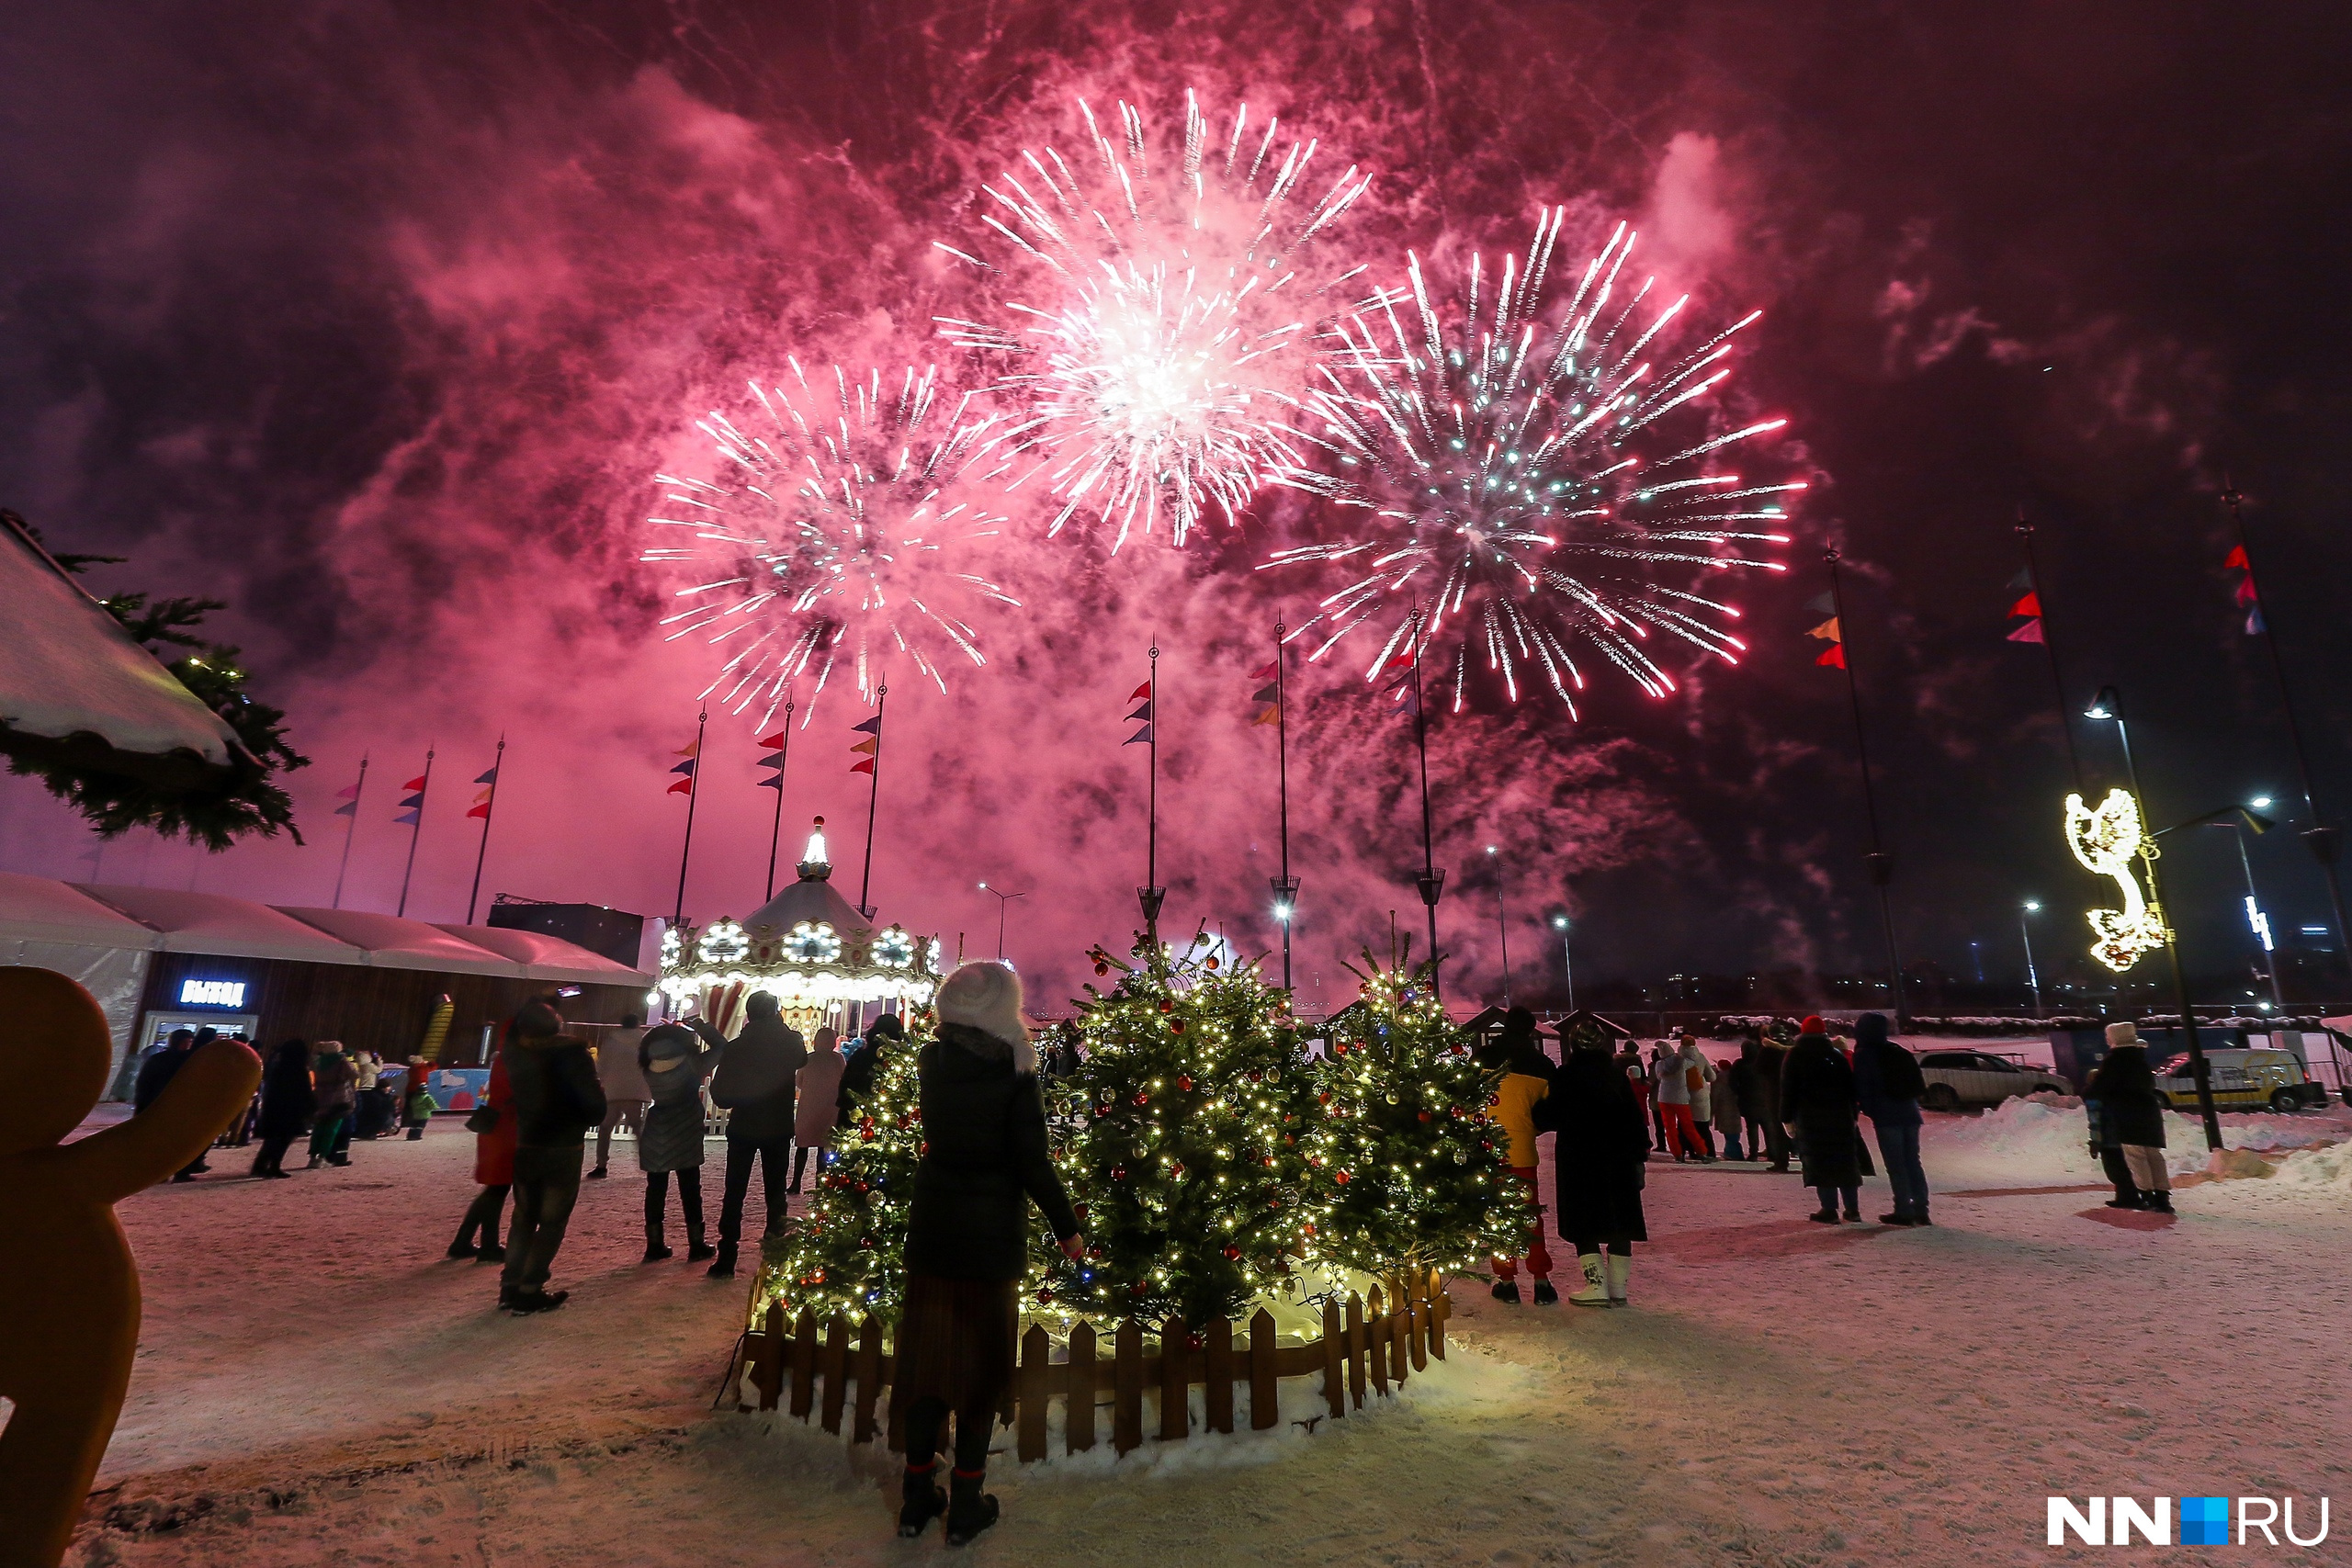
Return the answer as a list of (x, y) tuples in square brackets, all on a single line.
[(1900, 1069)]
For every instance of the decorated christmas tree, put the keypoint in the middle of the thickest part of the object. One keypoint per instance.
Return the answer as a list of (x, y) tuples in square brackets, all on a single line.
[(1405, 1170), (847, 1253), (1186, 1167)]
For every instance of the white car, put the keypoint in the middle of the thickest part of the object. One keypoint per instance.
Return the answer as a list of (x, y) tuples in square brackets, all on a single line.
[(1960, 1078)]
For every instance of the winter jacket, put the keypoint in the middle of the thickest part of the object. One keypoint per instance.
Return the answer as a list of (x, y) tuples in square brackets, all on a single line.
[(494, 1150), (1698, 1074), (1517, 1094), (287, 1102), (616, 1067), (2126, 1090), (753, 1082), (156, 1073), (1598, 1158), (366, 1070), (336, 1083), (857, 1078), (1673, 1085), (1746, 1076), (1817, 1095), (819, 1086), (671, 1136), (1879, 1064), (556, 1098), (983, 1162), (1771, 1062)]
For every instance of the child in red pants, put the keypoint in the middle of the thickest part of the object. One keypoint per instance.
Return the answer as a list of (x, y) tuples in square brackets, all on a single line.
[(1527, 1078)]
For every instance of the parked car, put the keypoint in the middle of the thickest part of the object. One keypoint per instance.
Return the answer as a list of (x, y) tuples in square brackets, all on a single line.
[(1958, 1079), (2243, 1079)]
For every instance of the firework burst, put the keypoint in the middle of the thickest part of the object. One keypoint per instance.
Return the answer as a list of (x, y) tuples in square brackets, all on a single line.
[(1514, 481), (835, 533), (1161, 358)]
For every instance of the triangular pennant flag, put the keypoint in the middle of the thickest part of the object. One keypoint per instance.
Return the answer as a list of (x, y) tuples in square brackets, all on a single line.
[(1143, 734), (863, 765), (1268, 673), (2030, 632), (485, 794), (2023, 580), (417, 799), (2246, 595), (490, 777), (1404, 660), (690, 749), (1827, 629), (348, 809), (1140, 692), (772, 742), (2255, 624), (871, 727), (482, 811), (871, 746), (776, 782), (1834, 656), (1143, 710), (416, 782), (686, 767), (1822, 604), (2237, 561), (408, 818), (2029, 605), (684, 787), (775, 761), (1271, 715), (349, 791), (1271, 693)]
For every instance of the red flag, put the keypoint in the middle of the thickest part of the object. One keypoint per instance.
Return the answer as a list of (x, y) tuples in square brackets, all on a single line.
[(416, 782), (772, 742), (684, 787), (1834, 656), (2030, 632), (2029, 605), (1268, 673), (865, 766), (482, 811), (2237, 561), (2246, 592), (1140, 692)]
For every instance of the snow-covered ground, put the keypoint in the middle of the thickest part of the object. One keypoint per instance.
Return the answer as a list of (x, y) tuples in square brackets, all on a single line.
[(316, 1384)]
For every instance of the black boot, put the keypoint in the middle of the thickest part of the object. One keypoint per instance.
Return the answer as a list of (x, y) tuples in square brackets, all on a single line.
[(1506, 1290), (970, 1510), (2158, 1201), (656, 1249), (922, 1499), (696, 1249), (1545, 1295), (723, 1267), (462, 1247)]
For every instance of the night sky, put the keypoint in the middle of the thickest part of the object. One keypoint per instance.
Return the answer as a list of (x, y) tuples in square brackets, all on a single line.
[(376, 321)]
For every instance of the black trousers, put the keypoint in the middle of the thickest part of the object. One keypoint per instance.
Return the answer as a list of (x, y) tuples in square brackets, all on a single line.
[(774, 1157), (927, 1423), (2118, 1172), (657, 1202), (273, 1151), (546, 1184), (480, 1227), (800, 1163)]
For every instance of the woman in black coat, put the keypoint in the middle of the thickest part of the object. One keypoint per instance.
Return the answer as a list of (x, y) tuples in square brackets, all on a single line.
[(670, 1139), (985, 1161), (2124, 1087), (287, 1106), (1817, 1105), (1598, 1162)]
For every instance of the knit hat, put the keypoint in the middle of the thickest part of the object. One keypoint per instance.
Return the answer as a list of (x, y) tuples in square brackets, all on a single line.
[(1813, 1025), (2121, 1034), (986, 997)]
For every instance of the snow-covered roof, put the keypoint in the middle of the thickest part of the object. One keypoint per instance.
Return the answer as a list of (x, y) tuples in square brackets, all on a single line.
[(392, 943), (34, 908), (225, 926), (71, 669), (545, 958)]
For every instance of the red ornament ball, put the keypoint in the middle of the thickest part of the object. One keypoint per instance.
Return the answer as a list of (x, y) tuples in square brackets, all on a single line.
[(1079, 1210), (1175, 1026), (1232, 1253), (1166, 1004), (1101, 968), (1142, 1098), (1176, 1169), (1045, 1298), (1184, 1083), (1213, 960), (1118, 1173), (1340, 1177), (1424, 1115)]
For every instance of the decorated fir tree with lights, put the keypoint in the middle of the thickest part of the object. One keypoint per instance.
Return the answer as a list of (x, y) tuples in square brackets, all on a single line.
[(1186, 1167), (847, 1254), (1405, 1169)]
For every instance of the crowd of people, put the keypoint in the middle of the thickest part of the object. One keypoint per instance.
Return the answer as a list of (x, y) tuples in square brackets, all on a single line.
[(320, 1091)]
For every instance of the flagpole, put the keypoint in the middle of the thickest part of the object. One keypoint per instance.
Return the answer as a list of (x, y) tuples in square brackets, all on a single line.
[(415, 831), (2325, 843), (1151, 895), (1285, 886), (783, 758), (2049, 646), (351, 831), (1431, 880), (1880, 863), (694, 780), (481, 852), (873, 799)]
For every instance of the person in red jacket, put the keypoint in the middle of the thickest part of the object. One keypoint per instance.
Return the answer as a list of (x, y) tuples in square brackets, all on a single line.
[(493, 1168)]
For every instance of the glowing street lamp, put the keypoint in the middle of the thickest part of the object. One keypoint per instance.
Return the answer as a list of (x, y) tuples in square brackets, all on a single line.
[(2032, 978), (1567, 957), (1003, 902)]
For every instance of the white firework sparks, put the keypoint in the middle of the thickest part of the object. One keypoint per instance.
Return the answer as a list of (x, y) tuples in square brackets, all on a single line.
[(1161, 366), (1504, 474), (836, 531)]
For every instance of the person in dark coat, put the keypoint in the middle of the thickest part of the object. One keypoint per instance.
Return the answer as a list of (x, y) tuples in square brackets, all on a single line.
[(2125, 1087), (558, 1102), (753, 1084), (985, 1161), (673, 1061), (336, 1083), (1598, 1162), (155, 1074), (2108, 1147), (858, 1073), (1771, 1063), (493, 1165), (1526, 1079), (1887, 1086), (286, 1106), (1817, 1108)]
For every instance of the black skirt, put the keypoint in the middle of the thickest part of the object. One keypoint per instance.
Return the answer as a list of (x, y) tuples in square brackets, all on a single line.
[(956, 1344)]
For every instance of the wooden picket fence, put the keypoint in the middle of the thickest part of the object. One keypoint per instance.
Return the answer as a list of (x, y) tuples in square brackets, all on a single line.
[(1376, 1343)]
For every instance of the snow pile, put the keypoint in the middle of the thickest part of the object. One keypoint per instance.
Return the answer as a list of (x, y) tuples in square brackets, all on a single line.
[(2041, 1142), (2328, 1167)]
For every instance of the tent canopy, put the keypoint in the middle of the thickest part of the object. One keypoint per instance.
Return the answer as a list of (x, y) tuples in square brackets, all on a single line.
[(545, 958), (393, 942), (226, 926), (34, 908)]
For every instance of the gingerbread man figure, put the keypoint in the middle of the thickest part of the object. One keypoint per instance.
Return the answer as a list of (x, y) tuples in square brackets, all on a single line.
[(69, 1295)]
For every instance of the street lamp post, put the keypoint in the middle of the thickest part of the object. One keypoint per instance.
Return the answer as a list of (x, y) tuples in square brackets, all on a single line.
[(1502, 919), (2032, 978), (1285, 910), (2108, 705), (1567, 957), (2255, 921), (1003, 902)]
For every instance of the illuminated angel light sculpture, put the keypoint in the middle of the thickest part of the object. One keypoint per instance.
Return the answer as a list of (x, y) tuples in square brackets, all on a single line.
[(2106, 841)]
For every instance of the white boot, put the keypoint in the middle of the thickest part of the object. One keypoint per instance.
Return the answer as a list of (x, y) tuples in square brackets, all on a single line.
[(1620, 1269), (1595, 1291)]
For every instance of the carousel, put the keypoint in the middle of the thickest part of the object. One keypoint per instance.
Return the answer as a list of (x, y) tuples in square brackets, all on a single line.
[(822, 960)]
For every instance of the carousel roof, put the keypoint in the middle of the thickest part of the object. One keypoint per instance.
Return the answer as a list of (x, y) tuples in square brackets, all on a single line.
[(813, 898)]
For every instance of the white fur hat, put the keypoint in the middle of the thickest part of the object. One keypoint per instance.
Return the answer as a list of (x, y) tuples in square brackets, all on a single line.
[(986, 997), (2122, 1034)]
